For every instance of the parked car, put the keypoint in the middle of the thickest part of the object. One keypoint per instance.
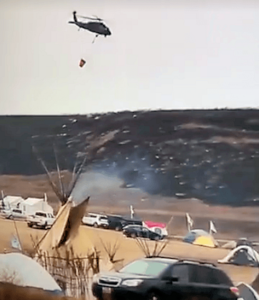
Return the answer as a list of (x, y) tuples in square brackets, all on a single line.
[(13, 214), (40, 219), (95, 220), (134, 231), (6, 213), (117, 222), (128, 221), (165, 278)]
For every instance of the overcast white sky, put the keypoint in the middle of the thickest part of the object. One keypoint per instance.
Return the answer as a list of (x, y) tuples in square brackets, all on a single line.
[(162, 54)]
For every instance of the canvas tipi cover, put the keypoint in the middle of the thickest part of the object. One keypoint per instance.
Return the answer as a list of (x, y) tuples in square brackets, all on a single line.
[(66, 239), (65, 235)]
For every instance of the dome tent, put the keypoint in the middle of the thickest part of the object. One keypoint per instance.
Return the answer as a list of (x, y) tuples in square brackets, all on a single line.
[(34, 275), (200, 237), (247, 292), (242, 256)]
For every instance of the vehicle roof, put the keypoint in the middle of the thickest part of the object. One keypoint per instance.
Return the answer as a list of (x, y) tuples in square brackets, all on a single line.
[(12, 199), (162, 259), (128, 218), (179, 260), (97, 214), (33, 201), (116, 216)]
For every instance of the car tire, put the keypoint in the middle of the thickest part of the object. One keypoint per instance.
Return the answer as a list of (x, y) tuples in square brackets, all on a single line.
[(95, 225), (133, 235), (117, 228), (153, 296), (29, 224)]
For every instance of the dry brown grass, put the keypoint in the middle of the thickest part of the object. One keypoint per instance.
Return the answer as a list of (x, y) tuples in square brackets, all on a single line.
[(255, 283), (129, 249)]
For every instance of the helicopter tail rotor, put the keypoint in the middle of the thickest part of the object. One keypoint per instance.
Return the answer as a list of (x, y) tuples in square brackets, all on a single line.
[(74, 15)]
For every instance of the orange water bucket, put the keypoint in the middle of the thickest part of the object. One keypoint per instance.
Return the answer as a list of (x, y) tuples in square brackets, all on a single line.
[(82, 63)]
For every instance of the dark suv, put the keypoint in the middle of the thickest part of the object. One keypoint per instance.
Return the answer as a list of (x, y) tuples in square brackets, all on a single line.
[(118, 222), (156, 278), (115, 222)]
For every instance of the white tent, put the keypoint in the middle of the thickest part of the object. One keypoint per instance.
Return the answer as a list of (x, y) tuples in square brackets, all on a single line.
[(242, 255), (24, 271), (247, 292), (31, 205), (12, 202)]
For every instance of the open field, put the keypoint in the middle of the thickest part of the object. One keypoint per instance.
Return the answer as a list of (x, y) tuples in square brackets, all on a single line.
[(211, 155), (230, 222), (129, 249)]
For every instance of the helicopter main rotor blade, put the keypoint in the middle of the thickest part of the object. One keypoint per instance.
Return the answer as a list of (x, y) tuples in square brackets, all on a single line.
[(97, 18), (89, 18)]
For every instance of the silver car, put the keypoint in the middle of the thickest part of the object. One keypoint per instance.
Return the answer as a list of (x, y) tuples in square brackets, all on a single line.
[(13, 214)]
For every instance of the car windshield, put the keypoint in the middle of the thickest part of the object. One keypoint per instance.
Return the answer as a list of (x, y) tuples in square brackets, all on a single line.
[(103, 218), (39, 214), (143, 267)]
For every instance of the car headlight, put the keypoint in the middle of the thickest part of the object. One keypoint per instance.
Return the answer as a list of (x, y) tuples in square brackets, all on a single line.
[(132, 282), (95, 278)]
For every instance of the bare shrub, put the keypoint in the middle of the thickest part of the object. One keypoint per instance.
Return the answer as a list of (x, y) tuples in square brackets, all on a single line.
[(158, 246), (111, 249)]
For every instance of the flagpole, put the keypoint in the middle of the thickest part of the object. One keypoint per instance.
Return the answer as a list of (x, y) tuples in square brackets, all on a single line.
[(2, 194), (17, 234)]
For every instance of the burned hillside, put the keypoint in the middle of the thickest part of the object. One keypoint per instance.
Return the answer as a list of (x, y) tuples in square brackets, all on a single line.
[(210, 155)]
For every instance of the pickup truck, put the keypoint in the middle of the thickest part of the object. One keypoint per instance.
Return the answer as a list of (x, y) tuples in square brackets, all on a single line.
[(95, 220), (40, 219)]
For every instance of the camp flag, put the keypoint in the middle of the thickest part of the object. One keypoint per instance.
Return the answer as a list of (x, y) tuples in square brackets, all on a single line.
[(212, 228), (131, 212), (15, 243), (189, 221)]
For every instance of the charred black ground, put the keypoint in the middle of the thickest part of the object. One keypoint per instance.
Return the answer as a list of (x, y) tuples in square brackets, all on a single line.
[(210, 155)]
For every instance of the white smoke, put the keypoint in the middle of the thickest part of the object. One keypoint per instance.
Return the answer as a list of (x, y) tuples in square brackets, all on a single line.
[(94, 183)]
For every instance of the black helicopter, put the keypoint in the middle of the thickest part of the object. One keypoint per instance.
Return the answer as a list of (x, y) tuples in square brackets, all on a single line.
[(96, 25)]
